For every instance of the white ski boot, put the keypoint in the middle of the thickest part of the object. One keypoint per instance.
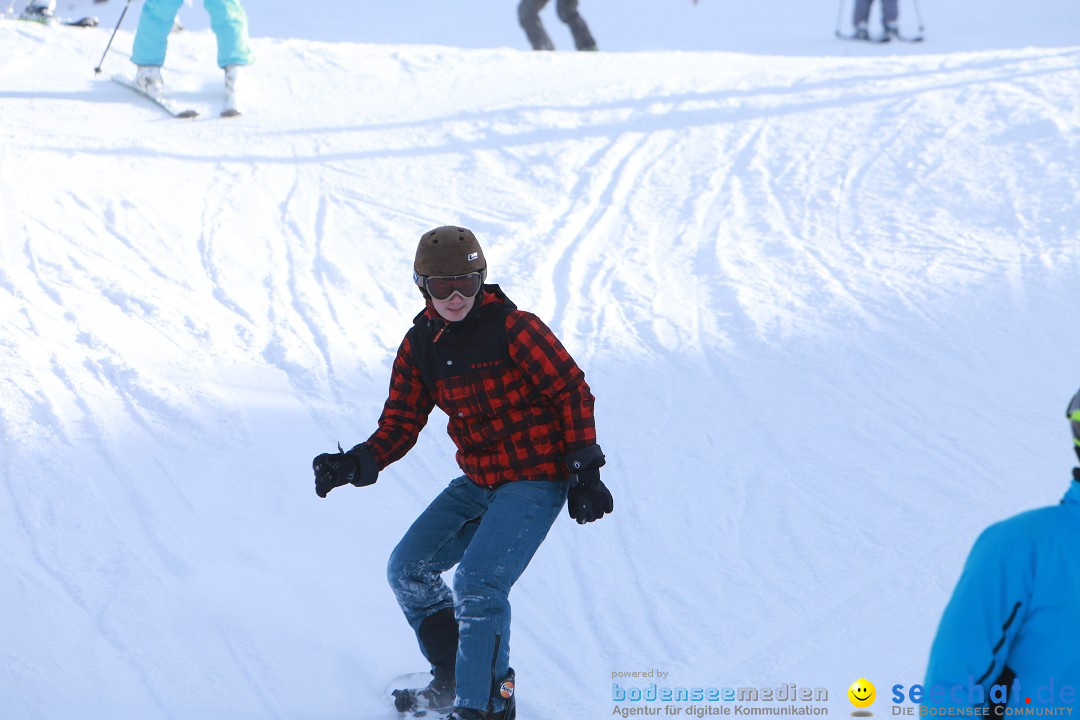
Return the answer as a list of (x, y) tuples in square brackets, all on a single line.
[(148, 79), (232, 100)]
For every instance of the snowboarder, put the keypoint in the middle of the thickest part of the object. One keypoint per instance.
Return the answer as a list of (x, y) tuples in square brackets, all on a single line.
[(228, 21), (1015, 613), (890, 14), (521, 416), (529, 17)]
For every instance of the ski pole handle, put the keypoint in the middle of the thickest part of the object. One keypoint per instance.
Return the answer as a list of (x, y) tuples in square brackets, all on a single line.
[(97, 70)]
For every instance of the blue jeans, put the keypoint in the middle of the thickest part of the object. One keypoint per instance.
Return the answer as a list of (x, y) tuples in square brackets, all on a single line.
[(227, 20), (491, 535)]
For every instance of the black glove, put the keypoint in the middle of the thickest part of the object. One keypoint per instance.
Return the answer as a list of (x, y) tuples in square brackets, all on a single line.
[(589, 499), (336, 469)]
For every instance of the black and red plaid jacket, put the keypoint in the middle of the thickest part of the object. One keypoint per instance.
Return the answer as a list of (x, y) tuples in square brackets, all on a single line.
[(517, 402)]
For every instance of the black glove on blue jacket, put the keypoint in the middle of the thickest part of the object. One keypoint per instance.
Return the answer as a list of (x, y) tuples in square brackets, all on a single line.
[(588, 499), (336, 469)]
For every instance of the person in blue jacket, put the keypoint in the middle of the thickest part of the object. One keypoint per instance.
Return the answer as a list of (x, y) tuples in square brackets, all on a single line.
[(1010, 635), (228, 21)]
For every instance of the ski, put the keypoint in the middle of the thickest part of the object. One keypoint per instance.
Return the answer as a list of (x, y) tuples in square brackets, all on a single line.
[(881, 39), (230, 109), (164, 103), (87, 22)]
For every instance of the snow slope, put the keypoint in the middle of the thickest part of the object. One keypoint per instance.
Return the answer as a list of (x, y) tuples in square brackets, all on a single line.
[(827, 307)]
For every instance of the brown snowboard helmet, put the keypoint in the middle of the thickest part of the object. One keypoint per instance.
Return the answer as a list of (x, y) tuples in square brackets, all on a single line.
[(447, 251)]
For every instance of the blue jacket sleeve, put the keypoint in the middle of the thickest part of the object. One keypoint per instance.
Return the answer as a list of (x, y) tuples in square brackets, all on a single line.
[(982, 619)]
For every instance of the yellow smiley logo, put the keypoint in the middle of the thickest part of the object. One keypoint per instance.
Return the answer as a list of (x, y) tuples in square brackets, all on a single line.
[(862, 693)]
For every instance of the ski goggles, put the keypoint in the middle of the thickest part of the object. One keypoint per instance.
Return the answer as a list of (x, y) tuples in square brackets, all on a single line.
[(442, 288), (1073, 413)]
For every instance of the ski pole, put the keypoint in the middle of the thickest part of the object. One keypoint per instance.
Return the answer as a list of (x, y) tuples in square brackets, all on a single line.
[(10, 8), (839, 15), (918, 17), (97, 70)]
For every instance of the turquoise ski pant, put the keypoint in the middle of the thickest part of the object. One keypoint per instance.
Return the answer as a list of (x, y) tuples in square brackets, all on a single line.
[(227, 19)]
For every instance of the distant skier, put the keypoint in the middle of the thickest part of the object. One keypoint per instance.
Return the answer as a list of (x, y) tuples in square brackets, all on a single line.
[(40, 10), (890, 14), (521, 416), (228, 21), (44, 12), (529, 17), (1014, 616)]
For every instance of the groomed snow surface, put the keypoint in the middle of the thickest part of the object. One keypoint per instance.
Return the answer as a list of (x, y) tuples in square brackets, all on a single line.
[(827, 303)]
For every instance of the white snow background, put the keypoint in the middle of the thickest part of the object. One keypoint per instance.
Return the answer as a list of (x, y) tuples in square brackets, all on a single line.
[(825, 294)]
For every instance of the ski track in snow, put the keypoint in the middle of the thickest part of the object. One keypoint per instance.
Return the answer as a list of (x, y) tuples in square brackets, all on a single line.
[(820, 303)]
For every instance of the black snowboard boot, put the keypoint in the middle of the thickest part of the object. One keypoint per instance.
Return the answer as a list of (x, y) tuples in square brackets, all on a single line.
[(503, 688), (506, 690), (437, 696), (466, 714), (439, 641)]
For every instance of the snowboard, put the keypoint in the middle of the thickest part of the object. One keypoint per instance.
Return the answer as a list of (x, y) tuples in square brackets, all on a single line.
[(399, 691), (407, 704)]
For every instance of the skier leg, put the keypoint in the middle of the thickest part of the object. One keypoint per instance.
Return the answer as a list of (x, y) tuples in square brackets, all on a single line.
[(433, 544), (568, 13), (517, 520), (229, 23), (861, 13), (152, 34), (529, 17), (890, 13), (860, 19)]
